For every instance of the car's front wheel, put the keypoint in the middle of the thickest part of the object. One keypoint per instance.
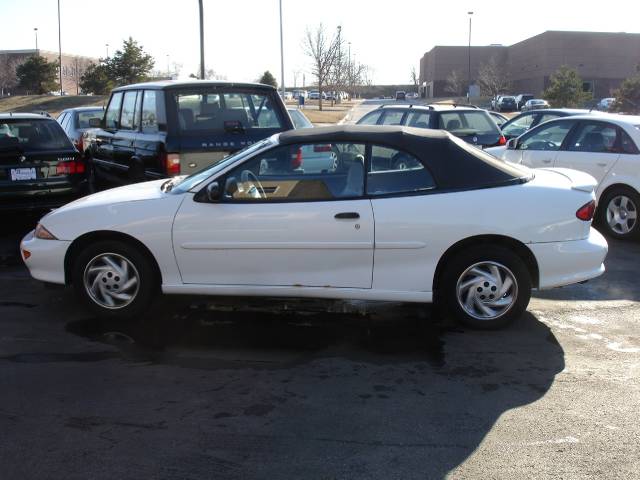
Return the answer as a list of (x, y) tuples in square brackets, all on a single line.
[(618, 213), (115, 279), (485, 287)]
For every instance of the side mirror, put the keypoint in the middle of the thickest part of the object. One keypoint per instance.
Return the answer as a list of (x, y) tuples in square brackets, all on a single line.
[(213, 192), (512, 144), (95, 122)]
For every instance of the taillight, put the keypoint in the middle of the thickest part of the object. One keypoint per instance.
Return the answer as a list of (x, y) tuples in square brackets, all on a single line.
[(502, 140), (586, 211), (296, 160), (172, 164), (322, 148), (69, 168)]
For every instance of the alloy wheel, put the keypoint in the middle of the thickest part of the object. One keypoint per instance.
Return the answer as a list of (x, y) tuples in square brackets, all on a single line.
[(621, 214)]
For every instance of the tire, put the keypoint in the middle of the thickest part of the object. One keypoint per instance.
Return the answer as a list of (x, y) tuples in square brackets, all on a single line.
[(112, 282), (475, 267), (617, 213)]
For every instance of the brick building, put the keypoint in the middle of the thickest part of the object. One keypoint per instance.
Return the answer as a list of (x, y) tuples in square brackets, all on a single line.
[(603, 60), (73, 66)]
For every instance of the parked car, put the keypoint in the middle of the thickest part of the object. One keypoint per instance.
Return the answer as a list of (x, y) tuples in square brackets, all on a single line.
[(506, 104), (39, 166), (312, 158), (300, 93), (522, 99), (401, 95), (228, 229), (287, 96), (494, 102), (605, 104), (535, 104), (161, 129), (498, 118), (519, 124), (472, 124), (75, 122), (315, 95), (605, 147)]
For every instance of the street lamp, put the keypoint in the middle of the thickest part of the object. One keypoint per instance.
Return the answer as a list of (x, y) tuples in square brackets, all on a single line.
[(469, 71), (36, 30), (168, 68), (107, 45), (59, 48), (201, 41), (281, 54)]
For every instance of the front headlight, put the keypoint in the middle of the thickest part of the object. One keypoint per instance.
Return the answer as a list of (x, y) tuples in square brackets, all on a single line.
[(44, 234)]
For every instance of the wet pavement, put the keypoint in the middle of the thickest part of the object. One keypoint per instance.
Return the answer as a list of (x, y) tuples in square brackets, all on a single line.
[(241, 389)]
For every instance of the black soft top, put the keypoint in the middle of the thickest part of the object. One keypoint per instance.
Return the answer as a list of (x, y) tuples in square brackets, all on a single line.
[(453, 163)]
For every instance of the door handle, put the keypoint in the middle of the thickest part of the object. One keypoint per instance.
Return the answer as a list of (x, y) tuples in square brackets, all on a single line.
[(547, 160), (346, 215), (602, 164)]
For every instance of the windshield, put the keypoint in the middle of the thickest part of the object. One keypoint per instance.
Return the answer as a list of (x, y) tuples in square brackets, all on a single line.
[(468, 123), (214, 111), (32, 135), (187, 183), (299, 119)]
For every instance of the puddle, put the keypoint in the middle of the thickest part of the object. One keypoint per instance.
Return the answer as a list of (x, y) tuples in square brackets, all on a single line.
[(268, 334)]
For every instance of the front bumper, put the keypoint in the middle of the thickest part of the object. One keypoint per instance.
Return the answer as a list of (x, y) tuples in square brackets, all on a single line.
[(565, 263), (46, 261)]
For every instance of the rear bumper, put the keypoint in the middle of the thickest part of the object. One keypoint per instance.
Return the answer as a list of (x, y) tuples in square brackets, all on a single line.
[(46, 262), (38, 198), (565, 263)]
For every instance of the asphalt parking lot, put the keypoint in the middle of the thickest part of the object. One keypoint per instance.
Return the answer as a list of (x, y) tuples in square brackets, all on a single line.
[(242, 389)]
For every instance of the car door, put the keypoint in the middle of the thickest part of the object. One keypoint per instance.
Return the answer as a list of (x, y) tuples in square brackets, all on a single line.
[(277, 225), (539, 147), (593, 147), (102, 155), (124, 141)]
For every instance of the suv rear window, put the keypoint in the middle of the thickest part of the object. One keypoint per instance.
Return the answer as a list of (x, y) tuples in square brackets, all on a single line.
[(223, 112), (468, 123), (32, 135)]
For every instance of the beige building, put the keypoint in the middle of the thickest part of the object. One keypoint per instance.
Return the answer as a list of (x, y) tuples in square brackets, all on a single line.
[(603, 60), (73, 66)]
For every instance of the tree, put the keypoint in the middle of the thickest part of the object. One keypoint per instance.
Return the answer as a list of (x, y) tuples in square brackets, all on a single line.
[(565, 89), (8, 78), (209, 74), (129, 65), (454, 84), (268, 79), (96, 79), (414, 77), (323, 52), (628, 96), (493, 78), (37, 76)]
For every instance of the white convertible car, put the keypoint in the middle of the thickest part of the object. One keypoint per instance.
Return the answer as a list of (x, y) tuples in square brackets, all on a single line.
[(455, 226)]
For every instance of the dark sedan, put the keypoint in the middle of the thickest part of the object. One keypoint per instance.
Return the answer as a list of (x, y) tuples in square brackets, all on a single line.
[(75, 122), (527, 120), (39, 166)]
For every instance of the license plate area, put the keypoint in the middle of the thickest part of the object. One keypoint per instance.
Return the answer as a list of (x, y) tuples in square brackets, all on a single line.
[(22, 174)]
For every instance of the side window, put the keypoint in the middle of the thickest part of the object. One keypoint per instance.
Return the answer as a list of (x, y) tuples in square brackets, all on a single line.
[(418, 120), (546, 137), (303, 172), (627, 145), (392, 117), (519, 126), (393, 171), (149, 119), (128, 110), (61, 119), (594, 137), (370, 118), (113, 111)]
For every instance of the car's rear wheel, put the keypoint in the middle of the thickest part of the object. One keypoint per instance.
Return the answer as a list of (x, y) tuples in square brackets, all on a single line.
[(618, 213), (114, 279), (485, 287)]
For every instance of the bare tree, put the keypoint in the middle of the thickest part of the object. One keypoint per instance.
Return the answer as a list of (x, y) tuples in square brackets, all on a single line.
[(454, 83), (414, 77), (323, 52), (8, 77), (493, 78)]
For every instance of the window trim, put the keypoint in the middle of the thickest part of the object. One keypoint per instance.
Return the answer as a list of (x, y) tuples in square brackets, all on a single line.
[(579, 125), (106, 111), (133, 118)]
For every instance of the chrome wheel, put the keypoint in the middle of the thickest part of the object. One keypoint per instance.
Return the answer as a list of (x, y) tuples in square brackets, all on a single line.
[(111, 280), (487, 290), (621, 214)]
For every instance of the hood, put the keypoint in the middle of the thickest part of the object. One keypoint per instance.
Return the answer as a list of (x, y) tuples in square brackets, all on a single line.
[(129, 193)]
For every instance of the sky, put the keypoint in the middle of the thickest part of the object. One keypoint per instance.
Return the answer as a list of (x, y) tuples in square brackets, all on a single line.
[(242, 37)]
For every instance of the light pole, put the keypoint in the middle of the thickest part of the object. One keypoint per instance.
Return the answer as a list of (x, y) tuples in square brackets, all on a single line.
[(281, 53), (36, 30), (350, 72), (107, 45), (469, 71), (201, 41), (59, 48), (168, 68)]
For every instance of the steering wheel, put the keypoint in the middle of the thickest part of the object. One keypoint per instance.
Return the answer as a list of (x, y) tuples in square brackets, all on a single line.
[(255, 190)]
